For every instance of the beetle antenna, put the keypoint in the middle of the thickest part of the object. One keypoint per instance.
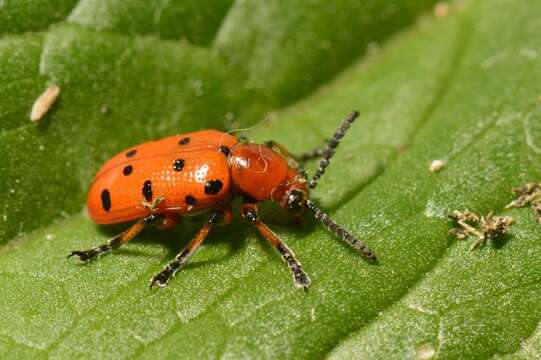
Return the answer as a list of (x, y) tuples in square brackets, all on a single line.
[(328, 152), (341, 231), (261, 122)]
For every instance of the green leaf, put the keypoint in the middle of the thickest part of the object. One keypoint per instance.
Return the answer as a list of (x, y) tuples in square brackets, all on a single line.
[(114, 91), (19, 16), (464, 89), (283, 49), (193, 20)]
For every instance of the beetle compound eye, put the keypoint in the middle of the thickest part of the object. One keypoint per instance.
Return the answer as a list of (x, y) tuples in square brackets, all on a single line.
[(295, 199)]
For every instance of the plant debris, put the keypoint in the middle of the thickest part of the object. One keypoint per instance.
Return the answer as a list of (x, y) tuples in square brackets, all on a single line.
[(483, 228), (436, 165), (44, 102), (104, 109), (441, 10), (528, 195)]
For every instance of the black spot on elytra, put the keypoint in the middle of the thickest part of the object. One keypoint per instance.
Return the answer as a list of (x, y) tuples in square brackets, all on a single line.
[(106, 200), (147, 190), (213, 187), (178, 164), (131, 153), (184, 141), (127, 170), (190, 200), (224, 149)]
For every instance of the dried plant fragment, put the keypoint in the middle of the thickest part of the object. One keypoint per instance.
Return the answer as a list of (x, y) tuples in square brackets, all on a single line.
[(44, 103), (436, 165), (495, 226), (482, 228), (441, 10), (467, 221), (528, 195)]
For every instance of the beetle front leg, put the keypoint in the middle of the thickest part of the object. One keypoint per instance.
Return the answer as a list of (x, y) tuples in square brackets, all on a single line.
[(117, 241), (300, 278)]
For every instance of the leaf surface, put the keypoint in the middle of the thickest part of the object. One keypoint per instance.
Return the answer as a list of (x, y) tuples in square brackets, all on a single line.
[(459, 89)]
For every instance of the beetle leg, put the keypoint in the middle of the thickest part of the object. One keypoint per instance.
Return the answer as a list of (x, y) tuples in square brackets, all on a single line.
[(300, 278), (300, 158), (169, 221), (279, 148), (243, 139), (163, 277), (117, 241), (311, 155), (227, 216), (292, 160)]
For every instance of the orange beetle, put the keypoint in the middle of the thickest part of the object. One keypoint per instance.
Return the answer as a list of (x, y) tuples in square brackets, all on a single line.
[(199, 172)]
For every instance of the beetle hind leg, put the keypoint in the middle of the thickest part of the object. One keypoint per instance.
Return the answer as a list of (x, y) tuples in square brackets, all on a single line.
[(118, 240), (313, 154)]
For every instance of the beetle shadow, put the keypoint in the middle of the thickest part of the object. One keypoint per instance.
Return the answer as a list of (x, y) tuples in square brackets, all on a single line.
[(235, 234), (176, 239)]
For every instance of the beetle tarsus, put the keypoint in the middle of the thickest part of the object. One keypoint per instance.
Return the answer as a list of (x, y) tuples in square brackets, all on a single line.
[(161, 279), (87, 255), (84, 255), (302, 281)]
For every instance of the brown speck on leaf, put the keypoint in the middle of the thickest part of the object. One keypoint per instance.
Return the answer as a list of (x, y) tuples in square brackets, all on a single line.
[(104, 109), (441, 10), (494, 226), (400, 148), (537, 211), (483, 228), (436, 165), (44, 103), (528, 194), (467, 220)]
